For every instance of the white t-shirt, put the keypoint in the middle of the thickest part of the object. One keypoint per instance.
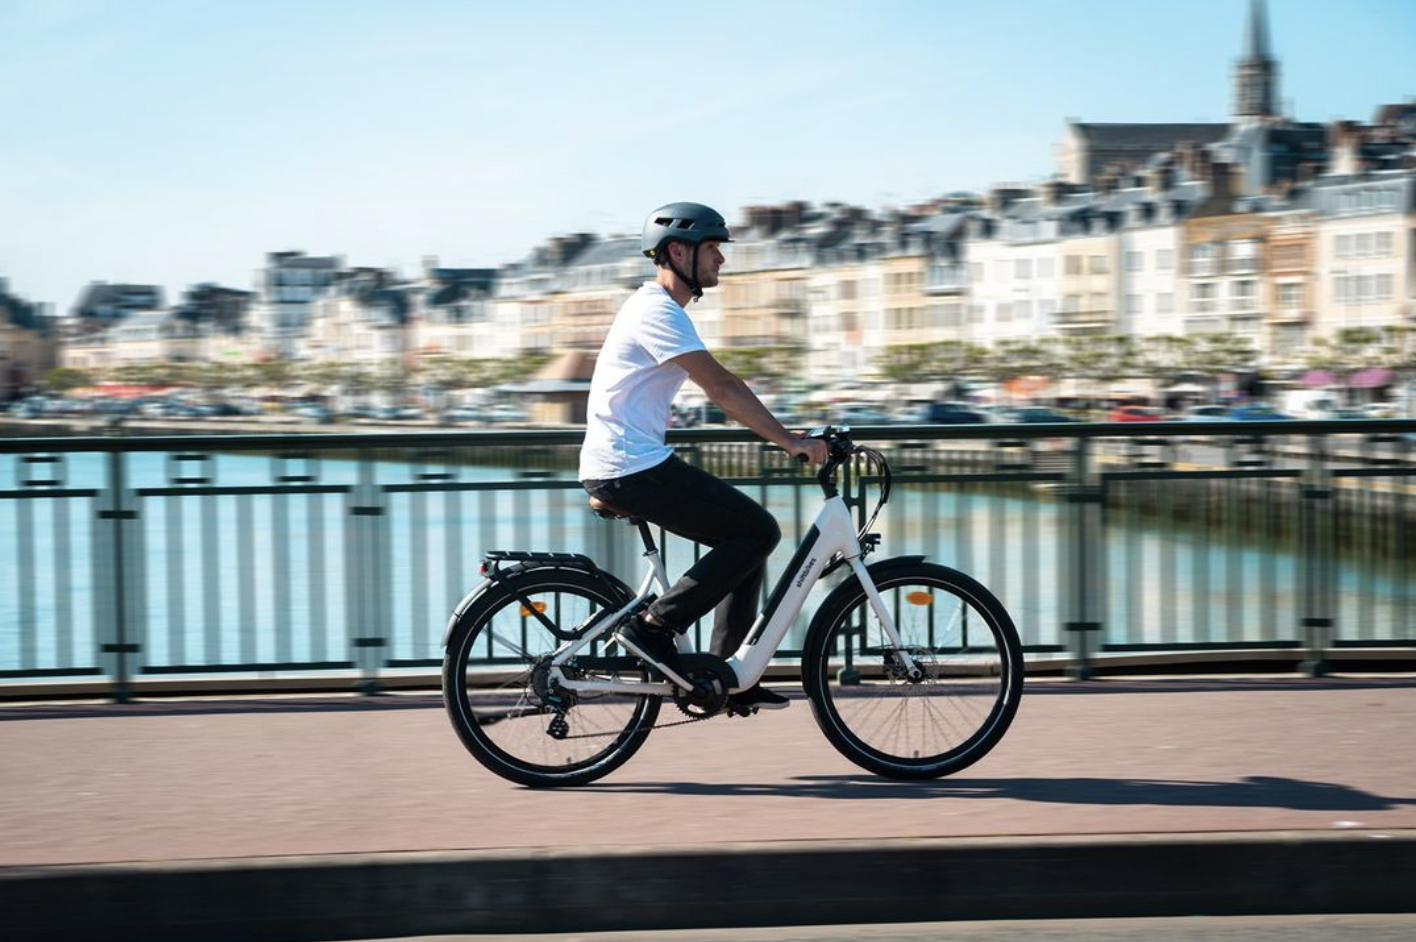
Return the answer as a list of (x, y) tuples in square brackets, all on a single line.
[(634, 385)]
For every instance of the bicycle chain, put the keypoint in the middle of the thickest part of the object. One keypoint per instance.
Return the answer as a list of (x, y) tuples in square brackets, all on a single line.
[(692, 719)]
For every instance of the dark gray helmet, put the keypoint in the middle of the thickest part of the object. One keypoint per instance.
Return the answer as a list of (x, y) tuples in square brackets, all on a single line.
[(693, 223)]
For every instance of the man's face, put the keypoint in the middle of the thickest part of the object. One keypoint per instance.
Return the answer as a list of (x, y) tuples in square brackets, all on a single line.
[(710, 260)]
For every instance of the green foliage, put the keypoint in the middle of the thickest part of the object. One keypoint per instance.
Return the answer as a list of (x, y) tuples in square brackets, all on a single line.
[(61, 379), (762, 363)]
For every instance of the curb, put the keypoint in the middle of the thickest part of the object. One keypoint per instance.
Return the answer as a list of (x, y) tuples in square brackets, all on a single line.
[(585, 889)]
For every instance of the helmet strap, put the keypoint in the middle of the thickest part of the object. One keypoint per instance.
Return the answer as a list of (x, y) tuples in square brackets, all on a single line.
[(690, 280)]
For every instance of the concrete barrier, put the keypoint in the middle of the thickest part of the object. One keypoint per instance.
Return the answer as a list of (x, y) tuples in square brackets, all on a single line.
[(715, 885)]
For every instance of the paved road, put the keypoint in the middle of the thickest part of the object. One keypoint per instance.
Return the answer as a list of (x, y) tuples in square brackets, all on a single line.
[(155, 782), (1360, 928)]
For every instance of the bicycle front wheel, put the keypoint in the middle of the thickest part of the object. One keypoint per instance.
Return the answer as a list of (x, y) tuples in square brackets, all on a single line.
[(951, 714), (504, 707)]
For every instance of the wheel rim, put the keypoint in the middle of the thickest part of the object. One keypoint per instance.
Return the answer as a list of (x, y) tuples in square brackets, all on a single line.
[(943, 716), (499, 696)]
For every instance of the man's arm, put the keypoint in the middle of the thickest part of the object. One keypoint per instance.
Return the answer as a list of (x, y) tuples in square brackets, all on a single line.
[(741, 405)]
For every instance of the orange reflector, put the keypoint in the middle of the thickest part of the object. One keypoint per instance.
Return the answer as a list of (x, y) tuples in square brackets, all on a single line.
[(920, 598), (538, 606)]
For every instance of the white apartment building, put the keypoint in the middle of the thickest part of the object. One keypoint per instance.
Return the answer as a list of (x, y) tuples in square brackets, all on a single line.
[(155, 337), (1365, 251), (288, 286), (1013, 275), (364, 319)]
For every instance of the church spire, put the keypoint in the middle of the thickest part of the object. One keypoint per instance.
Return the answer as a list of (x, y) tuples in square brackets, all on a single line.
[(1256, 75), (1256, 41)]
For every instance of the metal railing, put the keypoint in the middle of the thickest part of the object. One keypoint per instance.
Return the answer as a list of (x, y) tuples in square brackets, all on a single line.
[(135, 560)]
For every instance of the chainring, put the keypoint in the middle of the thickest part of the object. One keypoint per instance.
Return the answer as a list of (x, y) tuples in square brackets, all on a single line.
[(712, 681)]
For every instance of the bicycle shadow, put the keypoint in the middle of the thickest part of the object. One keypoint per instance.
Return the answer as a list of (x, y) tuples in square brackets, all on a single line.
[(1254, 791)]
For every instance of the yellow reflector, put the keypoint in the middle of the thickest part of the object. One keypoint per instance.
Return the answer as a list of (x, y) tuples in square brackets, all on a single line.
[(538, 606), (920, 598)]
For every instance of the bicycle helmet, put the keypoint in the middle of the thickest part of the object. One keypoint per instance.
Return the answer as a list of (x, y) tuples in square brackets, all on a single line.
[(690, 223)]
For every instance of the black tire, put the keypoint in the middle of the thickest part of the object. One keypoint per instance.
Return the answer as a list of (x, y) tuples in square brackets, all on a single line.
[(957, 630), (488, 688)]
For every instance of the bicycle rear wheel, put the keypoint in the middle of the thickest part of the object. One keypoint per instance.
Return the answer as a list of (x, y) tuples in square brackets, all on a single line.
[(933, 725), (499, 698)]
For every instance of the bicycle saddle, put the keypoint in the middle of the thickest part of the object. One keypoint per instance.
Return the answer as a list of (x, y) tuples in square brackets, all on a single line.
[(609, 511)]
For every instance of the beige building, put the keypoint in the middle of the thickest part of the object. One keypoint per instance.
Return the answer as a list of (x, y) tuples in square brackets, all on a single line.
[(363, 318)]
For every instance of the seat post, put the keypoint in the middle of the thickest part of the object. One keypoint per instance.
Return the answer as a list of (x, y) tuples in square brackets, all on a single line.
[(647, 536)]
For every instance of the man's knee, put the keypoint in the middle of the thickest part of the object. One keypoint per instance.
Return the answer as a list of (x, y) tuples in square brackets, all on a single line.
[(767, 533)]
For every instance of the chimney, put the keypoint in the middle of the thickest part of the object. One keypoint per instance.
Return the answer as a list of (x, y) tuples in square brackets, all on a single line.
[(1107, 180), (1160, 178), (1344, 143), (1192, 160), (1221, 178), (1001, 197)]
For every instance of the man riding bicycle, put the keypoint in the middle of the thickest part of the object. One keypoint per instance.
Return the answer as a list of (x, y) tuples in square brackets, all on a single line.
[(651, 348)]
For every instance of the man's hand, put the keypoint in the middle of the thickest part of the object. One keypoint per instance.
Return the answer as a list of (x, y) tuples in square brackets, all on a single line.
[(814, 450)]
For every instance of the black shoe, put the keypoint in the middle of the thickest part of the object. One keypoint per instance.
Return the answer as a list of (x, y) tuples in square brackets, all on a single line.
[(658, 642), (759, 697)]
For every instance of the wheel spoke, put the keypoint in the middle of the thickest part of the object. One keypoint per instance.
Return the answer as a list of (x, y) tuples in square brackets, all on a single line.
[(942, 720), (508, 725)]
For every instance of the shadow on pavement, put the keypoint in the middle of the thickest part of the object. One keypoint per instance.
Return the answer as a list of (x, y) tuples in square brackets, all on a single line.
[(1255, 791)]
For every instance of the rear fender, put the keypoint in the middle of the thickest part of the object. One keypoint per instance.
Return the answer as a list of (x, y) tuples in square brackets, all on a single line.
[(523, 570)]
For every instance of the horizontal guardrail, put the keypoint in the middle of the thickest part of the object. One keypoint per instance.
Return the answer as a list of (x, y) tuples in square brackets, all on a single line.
[(147, 562)]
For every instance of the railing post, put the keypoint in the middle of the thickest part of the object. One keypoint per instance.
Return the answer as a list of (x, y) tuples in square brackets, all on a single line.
[(118, 613), (368, 576), (1318, 534), (1081, 570)]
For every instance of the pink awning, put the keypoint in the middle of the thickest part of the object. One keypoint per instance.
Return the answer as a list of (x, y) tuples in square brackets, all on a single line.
[(1373, 378), (1317, 379)]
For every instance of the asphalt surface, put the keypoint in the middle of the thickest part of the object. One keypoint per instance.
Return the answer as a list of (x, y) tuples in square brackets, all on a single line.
[(1160, 770)]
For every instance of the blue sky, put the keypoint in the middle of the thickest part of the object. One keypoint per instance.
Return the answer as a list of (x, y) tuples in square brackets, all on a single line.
[(176, 141)]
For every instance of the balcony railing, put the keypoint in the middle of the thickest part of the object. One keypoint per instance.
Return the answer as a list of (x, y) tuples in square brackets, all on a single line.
[(300, 561)]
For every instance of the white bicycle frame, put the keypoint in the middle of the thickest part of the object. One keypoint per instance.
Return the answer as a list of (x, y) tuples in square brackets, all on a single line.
[(833, 532)]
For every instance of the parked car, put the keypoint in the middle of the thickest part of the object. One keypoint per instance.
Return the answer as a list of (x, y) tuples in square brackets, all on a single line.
[(504, 412), (459, 414), (1039, 415), (1208, 413), (314, 412), (1135, 414), (1257, 412), (856, 414), (945, 413)]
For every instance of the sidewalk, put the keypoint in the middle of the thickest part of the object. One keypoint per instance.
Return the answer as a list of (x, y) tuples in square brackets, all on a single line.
[(1104, 798)]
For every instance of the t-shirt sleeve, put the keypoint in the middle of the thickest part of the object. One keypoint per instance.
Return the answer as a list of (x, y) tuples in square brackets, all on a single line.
[(666, 332)]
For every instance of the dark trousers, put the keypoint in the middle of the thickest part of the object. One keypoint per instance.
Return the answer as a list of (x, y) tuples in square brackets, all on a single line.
[(694, 504)]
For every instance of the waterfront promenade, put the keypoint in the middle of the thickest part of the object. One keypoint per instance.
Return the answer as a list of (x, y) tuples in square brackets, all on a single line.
[(1118, 797)]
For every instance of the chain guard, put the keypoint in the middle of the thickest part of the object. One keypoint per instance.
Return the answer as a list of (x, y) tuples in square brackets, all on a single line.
[(712, 681)]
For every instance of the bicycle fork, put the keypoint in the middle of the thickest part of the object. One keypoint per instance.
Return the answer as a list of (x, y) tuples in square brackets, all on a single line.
[(913, 672)]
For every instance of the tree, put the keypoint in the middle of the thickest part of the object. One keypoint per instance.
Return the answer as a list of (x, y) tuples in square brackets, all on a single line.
[(761, 363), (1012, 358), (61, 379), (1166, 356), (1225, 352), (905, 363), (1100, 357)]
